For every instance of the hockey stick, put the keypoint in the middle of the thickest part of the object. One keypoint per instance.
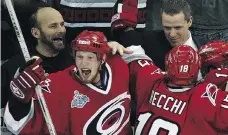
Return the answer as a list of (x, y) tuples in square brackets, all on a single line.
[(25, 52)]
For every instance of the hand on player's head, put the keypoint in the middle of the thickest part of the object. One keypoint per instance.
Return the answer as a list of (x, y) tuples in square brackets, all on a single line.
[(118, 48)]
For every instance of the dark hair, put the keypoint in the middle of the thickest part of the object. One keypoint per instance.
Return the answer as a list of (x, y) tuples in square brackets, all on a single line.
[(33, 18), (172, 7)]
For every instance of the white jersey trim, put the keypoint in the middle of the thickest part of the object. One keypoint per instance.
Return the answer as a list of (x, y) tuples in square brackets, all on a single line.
[(224, 106), (179, 90), (109, 84), (138, 53), (16, 126)]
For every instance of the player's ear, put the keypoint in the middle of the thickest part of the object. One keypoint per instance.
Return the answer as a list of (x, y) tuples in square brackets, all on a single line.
[(190, 21), (35, 32)]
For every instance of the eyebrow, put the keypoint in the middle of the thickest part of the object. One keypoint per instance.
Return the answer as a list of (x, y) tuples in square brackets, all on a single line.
[(55, 23), (173, 26)]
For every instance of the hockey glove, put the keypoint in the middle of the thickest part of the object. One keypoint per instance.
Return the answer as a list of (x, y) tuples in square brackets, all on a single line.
[(23, 86), (125, 14)]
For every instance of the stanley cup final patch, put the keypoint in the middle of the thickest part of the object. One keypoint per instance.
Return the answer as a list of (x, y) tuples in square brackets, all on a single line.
[(79, 100)]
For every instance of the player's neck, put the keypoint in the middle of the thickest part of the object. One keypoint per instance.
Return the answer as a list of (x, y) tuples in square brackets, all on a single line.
[(97, 84), (177, 86), (97, 80)]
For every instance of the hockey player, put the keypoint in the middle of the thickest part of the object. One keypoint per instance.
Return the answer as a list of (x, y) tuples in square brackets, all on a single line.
[(88, 98), (172, 103), (214, 56)]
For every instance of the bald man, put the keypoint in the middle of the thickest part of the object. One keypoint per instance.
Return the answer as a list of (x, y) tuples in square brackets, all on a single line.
[(49, 30), (47, 27)]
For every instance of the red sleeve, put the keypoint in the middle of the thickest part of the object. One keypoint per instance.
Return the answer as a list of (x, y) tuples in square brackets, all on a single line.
[(221, 117), (213, 104), (55, 98), (135, 67), (145, 80), (35, 125), (218, 77)]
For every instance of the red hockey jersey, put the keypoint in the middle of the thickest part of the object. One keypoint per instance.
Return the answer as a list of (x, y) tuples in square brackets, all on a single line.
[(84, 109), (201, 110), (218, 77), (134, 68)]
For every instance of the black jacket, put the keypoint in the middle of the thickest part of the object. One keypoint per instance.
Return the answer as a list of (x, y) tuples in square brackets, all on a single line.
[(157, 46), (154, 43)]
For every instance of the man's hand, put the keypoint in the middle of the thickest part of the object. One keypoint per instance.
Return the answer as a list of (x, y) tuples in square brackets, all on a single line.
[(23, 86), (116, 47)]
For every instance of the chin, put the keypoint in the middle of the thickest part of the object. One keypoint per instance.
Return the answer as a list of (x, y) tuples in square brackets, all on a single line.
[(86, 81), (176, 44), (59, 48)]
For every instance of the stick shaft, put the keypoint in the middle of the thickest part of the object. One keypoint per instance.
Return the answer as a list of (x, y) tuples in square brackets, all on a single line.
[(17, 29), (26, 55)]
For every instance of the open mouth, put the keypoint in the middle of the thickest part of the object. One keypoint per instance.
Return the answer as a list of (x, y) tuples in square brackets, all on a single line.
[(174, 40), (85, 72), (58, 40)]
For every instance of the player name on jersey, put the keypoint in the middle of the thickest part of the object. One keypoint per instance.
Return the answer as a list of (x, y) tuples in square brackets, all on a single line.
[(167, 103)]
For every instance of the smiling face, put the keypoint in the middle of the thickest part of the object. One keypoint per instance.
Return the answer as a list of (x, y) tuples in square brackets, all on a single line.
[(88, 64), (176, 28), (51, 29)]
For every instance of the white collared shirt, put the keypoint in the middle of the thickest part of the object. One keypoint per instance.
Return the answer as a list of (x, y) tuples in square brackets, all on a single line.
[(190, 42)]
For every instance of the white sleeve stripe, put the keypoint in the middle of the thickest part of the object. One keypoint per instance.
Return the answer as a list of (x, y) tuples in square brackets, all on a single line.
[(224, 106), (25, 81), (21, 83), (16, 126), (138, 53), (30, 77), (120, 8)]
